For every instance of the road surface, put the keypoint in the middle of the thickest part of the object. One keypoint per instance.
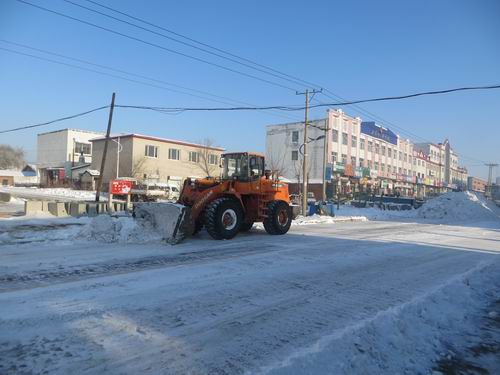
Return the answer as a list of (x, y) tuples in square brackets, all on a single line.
[(219, 307)]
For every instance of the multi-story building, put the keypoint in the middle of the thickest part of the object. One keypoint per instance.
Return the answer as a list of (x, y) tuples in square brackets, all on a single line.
[(476, 184), (60, 150), (155, 160), (443, 168), (363, 155)]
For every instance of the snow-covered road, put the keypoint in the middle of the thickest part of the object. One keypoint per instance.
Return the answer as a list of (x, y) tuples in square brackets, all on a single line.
[(257, 303)]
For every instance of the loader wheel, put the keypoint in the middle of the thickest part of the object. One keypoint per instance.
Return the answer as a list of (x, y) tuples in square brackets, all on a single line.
[(279, 217), (223, 218), (245, 227)]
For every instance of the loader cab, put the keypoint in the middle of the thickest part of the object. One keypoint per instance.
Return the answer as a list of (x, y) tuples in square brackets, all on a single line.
[(242, 166)]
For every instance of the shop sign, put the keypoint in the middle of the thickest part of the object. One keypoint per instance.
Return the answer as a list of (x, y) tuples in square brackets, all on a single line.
[(339, 167), (121, 187), (328, 172)]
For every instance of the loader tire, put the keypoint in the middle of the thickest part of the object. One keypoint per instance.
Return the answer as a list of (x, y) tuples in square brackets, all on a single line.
[(223, 218), (245, 227), (279, 218)]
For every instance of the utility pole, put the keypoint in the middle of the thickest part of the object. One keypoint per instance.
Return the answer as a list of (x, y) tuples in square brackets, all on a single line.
[(490, 177), (105, 151), (326, 140), (306, 140)]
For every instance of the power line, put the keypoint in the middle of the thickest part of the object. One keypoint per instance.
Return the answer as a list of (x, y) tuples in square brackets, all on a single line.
[(184, 43), (56, 120), (300, 108), (230, 101), (157, 45), (203, 44)]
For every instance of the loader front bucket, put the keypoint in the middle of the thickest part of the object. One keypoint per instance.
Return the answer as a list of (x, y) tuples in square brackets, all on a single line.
[(173, 221)]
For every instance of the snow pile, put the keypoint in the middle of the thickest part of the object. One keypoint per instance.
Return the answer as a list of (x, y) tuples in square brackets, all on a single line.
[(408, 338), (105, 228), (459, 206), (318, 219)]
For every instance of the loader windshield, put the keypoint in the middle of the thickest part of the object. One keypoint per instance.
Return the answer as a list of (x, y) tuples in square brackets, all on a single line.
[(235, 166)]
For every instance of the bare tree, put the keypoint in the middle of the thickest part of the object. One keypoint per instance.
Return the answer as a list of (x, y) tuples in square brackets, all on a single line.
[(205, 160), (138, 169), (276, 162), (11, 157)]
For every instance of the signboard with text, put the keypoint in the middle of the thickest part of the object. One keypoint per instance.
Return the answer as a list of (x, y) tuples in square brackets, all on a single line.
[(121, 187)]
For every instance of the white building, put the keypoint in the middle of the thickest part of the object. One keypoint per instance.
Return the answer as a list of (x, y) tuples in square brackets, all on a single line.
[(363, 156), (59, 150)]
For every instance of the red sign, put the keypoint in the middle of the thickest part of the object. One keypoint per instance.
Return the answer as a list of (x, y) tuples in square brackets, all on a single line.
[(121, 187)]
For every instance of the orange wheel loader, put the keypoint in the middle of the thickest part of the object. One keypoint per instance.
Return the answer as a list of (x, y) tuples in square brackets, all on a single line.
[(246, 193)]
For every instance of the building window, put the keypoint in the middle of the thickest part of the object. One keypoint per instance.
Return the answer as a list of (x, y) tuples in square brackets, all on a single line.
[(344, 158), (377, 148), (295, 155), (151, 151), (83, 147), (295, 136), (383, 150), (344, 139), (400, 156), (376, 166), (353, 161), (212, 159), (361, 162), (394, 170), (389, 152), (335, 135), (174, 154), (361, 143), (406, 158), (382, 167), (334, 157), (370, 146), (194, 156), (354, 141)]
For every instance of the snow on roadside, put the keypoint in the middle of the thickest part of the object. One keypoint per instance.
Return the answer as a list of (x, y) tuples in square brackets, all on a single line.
[(51, 192), (460, 206), (105, 228), (409, 338)]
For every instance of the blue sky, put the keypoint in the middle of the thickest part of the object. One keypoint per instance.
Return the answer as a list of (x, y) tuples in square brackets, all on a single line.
[(357, 49)]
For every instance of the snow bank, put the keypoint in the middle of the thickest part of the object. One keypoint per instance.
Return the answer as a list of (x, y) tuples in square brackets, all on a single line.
[(317, 219), (408, 338), (459, 206), (52, 193), (105, 228)]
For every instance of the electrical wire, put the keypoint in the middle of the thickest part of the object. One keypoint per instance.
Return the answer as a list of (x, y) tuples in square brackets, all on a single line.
[(157, 45), (56, 120), (229, 100), (300, 108), (296, 79), (176, 110), (182, 42)]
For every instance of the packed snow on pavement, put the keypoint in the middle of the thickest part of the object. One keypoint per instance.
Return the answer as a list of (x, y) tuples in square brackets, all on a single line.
[(368, 291)]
